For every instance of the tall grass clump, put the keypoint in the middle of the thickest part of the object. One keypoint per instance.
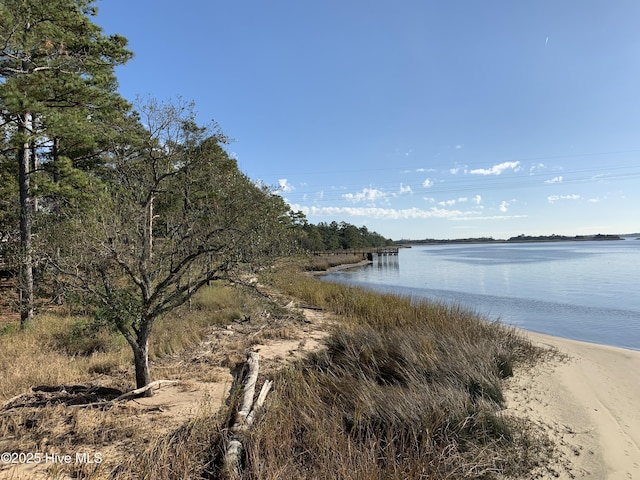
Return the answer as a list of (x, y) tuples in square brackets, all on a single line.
[(66, 348), (57, 350), (183, 453), (215, 305), (403, 389)]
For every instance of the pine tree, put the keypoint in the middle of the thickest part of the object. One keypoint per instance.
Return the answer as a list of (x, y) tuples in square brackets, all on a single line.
[(56, 80)]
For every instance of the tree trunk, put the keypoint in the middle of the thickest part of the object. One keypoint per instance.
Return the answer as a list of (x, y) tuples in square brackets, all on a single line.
[(57, 283), (33, 167), (26, 270), (141, 360)]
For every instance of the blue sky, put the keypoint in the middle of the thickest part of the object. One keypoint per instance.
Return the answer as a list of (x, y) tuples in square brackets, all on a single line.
[(416, 118)]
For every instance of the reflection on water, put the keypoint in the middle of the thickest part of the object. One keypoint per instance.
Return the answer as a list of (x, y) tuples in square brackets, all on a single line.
[(580, 290), (385, 262)]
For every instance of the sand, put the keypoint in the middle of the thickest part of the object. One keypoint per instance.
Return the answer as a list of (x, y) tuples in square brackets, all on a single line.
[(588, 403)]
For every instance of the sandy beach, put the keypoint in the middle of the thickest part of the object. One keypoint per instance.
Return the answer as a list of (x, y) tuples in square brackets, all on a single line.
[(588, 403)]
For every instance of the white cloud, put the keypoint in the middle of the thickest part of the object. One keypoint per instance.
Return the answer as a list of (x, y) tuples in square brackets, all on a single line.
[(284, 186), (594, 200), (503, 206), (555, 198), (404, 189), (366, 195), (463, 199), (493, 217), (420, 169), (447, 203), (428, 183), (477, 199), (497, 169), (554, 180), (458, 168), (382, 213), (458, 147), (536, 167)]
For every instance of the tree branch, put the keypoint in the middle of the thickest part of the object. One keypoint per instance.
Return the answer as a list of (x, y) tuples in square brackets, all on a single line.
[(125, 396)]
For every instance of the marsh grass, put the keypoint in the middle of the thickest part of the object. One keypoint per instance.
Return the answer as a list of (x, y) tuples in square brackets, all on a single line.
[(404, 389), (324, 262)]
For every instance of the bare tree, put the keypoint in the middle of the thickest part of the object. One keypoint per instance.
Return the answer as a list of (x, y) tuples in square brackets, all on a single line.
[(174, 213)]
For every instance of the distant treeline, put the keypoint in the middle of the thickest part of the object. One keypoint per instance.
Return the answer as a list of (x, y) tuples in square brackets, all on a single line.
[(562, 238), (519, 238), (337, 236), (435, 241)]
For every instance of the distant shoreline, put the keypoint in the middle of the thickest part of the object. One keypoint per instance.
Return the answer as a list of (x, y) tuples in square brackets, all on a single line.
[(518, 239), (336, 268)]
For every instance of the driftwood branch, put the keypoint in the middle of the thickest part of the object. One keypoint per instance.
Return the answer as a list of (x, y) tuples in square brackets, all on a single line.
[(248, 391), (232, 458), (266, 388), (74, 396), (245, 416), (126, 396)]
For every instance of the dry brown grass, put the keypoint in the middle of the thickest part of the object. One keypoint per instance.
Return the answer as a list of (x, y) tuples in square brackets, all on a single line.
[(183, 453), (39, 356), (403, 389), (69, 350)]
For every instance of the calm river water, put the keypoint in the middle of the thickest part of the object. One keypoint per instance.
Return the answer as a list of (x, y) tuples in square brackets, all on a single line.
[(580, 290)]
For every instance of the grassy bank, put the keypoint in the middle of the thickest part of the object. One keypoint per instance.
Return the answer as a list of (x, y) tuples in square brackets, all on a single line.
[(402, 389), (63, 350)]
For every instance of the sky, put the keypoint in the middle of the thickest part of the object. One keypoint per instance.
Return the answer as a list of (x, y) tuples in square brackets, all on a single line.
[(415, 118)]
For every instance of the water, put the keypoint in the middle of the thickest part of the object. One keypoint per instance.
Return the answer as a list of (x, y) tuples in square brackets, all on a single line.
[(580, 290)]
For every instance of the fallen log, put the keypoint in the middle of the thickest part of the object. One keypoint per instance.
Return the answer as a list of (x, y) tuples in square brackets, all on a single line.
[(248, 390), (245, 416), (266, 388)]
